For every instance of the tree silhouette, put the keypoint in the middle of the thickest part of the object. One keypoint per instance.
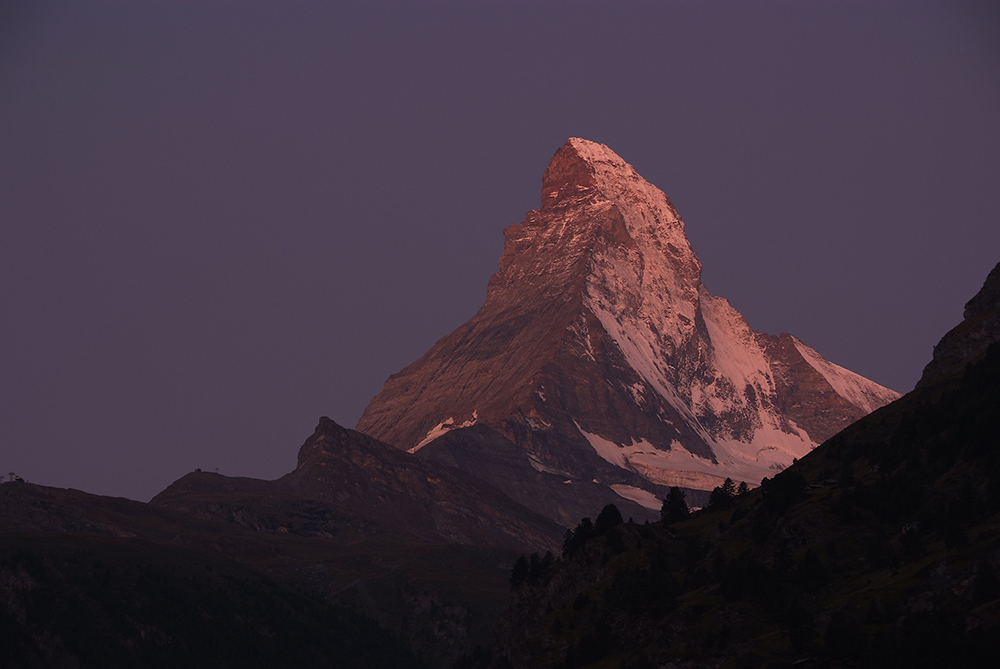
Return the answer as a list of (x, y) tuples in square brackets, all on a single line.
[(674, 507), (576, 538), (520, 571), (722, 496), (607, 518)]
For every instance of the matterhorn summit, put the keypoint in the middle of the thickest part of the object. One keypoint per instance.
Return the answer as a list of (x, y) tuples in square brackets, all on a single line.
[(601, 355)]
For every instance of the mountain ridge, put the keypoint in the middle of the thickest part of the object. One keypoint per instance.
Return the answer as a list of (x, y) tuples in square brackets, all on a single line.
[(599, 351), (355, 481)]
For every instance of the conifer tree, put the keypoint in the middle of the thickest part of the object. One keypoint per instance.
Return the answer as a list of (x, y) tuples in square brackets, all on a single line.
[(674, 507), (723, 495), (520, 571), (606, 519)]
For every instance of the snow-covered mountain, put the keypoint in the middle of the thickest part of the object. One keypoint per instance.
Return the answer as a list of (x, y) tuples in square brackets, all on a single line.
[(600, 352)]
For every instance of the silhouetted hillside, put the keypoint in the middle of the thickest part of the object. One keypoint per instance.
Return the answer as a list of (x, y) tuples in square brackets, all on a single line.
[(71, 600)]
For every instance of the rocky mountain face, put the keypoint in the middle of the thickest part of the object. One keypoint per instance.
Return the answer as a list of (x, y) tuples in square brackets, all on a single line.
[(601, 354), (489, 456), (351, 485)]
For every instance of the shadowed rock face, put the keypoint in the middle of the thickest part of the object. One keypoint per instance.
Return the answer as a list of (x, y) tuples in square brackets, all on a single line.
[(425, 498), (600, 353), (488, 455), (970, 338), (347, 483)]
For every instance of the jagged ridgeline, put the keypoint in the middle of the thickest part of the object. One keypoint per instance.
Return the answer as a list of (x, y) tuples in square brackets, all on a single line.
[(601, 355), (880, 548)]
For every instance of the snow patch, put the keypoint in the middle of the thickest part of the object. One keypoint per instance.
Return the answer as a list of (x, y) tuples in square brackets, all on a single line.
[(536, 422), (637, 495), (770, 450), (442, 428), (608, 450)]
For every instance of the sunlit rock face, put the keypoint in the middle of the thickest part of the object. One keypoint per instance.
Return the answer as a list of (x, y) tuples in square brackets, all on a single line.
[(600, 352)]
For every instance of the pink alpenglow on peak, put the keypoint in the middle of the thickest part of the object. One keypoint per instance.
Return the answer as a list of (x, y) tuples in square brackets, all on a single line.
[(600, 353)]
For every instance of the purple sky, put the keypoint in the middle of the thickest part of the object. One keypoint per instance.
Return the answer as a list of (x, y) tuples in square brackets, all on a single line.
[(221, 220)]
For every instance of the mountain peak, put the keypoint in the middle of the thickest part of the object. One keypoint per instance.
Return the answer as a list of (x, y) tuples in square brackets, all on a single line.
[(600, 352), (583, 169), (599, 156), (569, 173), (590, 154)]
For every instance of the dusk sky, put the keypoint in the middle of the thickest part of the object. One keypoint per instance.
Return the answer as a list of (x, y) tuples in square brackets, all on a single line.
[(222, 220)]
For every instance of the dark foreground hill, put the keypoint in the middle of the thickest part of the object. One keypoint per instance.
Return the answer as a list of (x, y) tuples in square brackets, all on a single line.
[(89, 581), (401, 557), (881, 548), (90, 601), (363, 556)]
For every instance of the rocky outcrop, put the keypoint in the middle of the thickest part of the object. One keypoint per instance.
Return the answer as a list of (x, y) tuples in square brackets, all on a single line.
[(347, 483), (968, 340), (600, 353), (373, 479)]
